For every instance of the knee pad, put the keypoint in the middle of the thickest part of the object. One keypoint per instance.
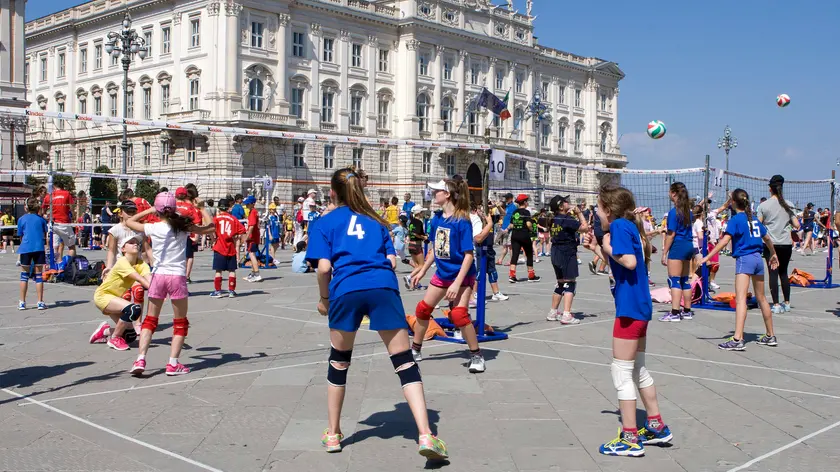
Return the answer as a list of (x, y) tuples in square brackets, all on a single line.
[(180, 326), (684, 283), (406, 368), (24, 276), (493, 275), (558, 289), (569, 287), (129, 335), (127, 295), (423, 311), (641, 376), (131, 313), (337, 373), (38, 278), (460, 316), (150, 323), (674, 282), (138, 293), (622, 375)]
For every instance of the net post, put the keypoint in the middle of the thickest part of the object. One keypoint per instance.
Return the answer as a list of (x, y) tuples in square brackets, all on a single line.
[(705, 249), (830, 262), (50, 187), (481, 296)]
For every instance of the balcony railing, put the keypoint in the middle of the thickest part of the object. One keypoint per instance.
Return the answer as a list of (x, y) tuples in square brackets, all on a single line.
[(187, 115), (611, 157), (260, 116), (328, 126)]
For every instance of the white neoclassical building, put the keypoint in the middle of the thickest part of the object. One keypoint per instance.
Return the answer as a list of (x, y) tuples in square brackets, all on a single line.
[(386, 69), (12, 85)]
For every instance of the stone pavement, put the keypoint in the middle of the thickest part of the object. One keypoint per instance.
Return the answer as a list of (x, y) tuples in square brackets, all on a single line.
[(257, 397)]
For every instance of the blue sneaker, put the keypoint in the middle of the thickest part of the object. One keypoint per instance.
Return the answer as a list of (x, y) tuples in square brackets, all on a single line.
[(687, 315), (42, 306), (732, 345), (786, 307), (624, 445), (232, 294), (650, 436), (216, 294), (21, 305), (671, 317)]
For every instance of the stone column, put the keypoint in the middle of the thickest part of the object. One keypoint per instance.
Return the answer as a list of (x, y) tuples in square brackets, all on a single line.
[(369, 116), (490, 83), (528, 134), (343, 102), (435, 109), (233, 82), (508, 129), (407, 90), (315, 36), (461, 103), (281, 78), (615, 135)]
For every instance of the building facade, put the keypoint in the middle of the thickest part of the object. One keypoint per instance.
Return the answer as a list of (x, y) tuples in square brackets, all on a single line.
[(12, 80), (387, 69)]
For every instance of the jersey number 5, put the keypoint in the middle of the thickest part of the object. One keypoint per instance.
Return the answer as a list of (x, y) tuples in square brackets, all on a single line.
[(355, 229), (755, 229)]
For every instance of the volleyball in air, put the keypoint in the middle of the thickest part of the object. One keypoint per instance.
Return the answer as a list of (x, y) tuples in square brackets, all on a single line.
[(656, 129), (783, 100)]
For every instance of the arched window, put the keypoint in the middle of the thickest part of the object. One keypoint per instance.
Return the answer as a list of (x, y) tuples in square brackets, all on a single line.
[(497, 126), (446, 107), (518, 116), (605, 131), (546, 134), (423, 111), (255, 95), (578, 134)]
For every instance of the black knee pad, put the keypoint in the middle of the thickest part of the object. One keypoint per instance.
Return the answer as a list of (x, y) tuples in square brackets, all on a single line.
[(336, 376), (131, 313), (406, 368), (129, 335), (569, 287)]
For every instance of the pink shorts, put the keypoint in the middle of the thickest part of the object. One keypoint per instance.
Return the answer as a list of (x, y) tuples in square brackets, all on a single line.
[(173, 286), (469, 281)]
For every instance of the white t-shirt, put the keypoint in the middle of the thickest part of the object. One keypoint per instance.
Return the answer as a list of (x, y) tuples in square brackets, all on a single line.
[(168, 248), (697, 233), (477, 224), (119, 232), (713, 225)]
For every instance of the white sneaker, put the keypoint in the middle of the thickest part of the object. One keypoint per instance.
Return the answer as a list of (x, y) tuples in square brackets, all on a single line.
[(553, 316), (500, 297), (457, 334), (714, 286), (417, 356), (777, 309), (3, 251), (407, 280), (477, 364), (568, 319)]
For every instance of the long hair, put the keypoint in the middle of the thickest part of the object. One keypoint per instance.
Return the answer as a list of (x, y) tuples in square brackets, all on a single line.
[(639, 220), (176, 221), (349, 188), (683, 205), (776, 189), (459, 195), (741, 199), (619, 201)]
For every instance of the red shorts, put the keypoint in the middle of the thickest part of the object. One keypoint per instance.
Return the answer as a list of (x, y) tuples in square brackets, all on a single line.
[(469, 281), (629, 328)]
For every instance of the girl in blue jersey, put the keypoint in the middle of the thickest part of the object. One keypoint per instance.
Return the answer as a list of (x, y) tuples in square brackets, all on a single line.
[(748, 237), (623, 247), (451, 239), (678, 253), (356, 261)]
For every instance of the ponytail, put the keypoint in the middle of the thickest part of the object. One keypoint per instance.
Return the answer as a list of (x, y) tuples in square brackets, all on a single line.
[(682, 205), (349, 187), (175, 220), (776, 189), (742, 202), (459, 195)]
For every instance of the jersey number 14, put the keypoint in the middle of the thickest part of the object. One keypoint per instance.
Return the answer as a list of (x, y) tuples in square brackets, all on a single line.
[(355, 229)]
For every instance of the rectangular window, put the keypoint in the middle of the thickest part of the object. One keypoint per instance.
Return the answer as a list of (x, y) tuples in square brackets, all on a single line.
[(164, 152), (603, 102), (577, 97), (97, 157), (165, 40), (563, 175), (195, 33), (427, 163), (97, 57), (58, 162), (474, 73), (546, 135), (129, 97), (579, 177), (450, 165), (97, 106), (329, 157), (561, 134), (43, 68), (355, 111), (297, 102), (147, 154), (383, 60), (577, 139), (26, 73), (297, 44), (447, 70), (257, 34), (83, 60), (545, 85), (113, 104), (329, 44), (500, 79), (164, 98), (112, 157), (194, 94), (147, 103), (61, 122), (357, 55), (561, 99), (519, 81), (62, 63), (191, 150), (523, 170), (382, 117), (327, 100), (82, 106), (298, 154), (114, 60), (384, 161), (424, 65), (472, 122), (358, 158), (130, 156), (147, 37), (546, 174)]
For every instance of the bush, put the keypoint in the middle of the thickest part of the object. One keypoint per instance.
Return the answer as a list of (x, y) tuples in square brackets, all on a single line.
[(147, 189), (102, 190)]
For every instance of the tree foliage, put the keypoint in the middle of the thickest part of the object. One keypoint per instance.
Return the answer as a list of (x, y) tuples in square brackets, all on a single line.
[(65, 181), (102, 190), (147, 189)]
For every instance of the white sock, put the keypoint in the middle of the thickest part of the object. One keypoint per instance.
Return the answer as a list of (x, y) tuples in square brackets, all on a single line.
[(141, 357), (173, 361)]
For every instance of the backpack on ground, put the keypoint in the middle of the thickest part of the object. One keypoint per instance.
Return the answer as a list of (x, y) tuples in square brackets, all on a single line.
[(81, 272)]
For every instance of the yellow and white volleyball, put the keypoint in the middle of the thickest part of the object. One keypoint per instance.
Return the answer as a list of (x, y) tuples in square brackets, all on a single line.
[(783, 100), (656, 129)]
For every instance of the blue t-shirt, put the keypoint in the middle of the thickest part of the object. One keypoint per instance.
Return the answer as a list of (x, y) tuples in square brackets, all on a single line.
[(451, 238), (32, 230), (681, 229), (399, 233), (238, 212), (746, 238), (509, 210), (299, 262), (357, 246), (274, 226), (632, 295), (407, 207), (312, 216)]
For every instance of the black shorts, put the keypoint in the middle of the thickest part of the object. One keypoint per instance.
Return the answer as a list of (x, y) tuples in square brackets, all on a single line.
[(224, 263), (599, 237), (564, 261), (192, 247), (33, 258), (415, 247), (7, 232), (254, 247)]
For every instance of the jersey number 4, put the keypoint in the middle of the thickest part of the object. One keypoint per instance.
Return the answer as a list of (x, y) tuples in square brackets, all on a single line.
[(355, 229), (224, 227)]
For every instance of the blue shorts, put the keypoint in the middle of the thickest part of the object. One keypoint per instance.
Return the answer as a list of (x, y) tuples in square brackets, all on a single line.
[(224, 263), (382, 305), (682, 251), (33, 258), (254, 247), (750, 264)]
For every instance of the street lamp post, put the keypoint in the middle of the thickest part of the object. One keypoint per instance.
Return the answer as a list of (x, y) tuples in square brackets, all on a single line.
[(126, 43), (727, 142)]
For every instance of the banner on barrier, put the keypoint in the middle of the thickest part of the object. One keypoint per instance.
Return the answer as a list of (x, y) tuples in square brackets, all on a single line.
[(497, 165)]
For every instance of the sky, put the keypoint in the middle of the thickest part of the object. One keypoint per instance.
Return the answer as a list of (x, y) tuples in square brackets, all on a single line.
[(699, 66)]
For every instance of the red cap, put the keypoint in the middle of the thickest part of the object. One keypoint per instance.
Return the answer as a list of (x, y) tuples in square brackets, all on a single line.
[(180, 192), (521, 197)]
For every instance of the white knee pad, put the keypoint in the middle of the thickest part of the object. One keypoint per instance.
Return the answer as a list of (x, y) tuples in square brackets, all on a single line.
[(641, 376), (622, 374)]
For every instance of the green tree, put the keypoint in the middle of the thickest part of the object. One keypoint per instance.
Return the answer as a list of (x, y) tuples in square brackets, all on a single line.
[(147, 189), (65, 181), (102, 190)]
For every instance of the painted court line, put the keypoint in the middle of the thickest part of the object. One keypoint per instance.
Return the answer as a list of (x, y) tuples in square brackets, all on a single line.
[(783, 448), (579, 325), (280, 317), (99, 320), (114, 433), (692, 377)]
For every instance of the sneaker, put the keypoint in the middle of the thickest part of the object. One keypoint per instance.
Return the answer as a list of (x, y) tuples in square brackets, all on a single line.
[(687, 315), (476, 364), (777, 309), (553, 316), (714, 286), (535, 278), (17, 263), (623, 445), (650, 436), (432, 448), (651, 283), (42, 306), (768, 341), (118, 343), (256, 278), (3, 251), (580, 262), (99, 332), (249, 277), (569, 319), (139, 367), (179, 369), (232, 294), (671, 317), (21, 305), (603, 272), (786, 307), (457, 334), (331, 441), (500, 297), (417, 356), (732, 345), (473, 302), (407, 280), (512, 279), (216, 294)]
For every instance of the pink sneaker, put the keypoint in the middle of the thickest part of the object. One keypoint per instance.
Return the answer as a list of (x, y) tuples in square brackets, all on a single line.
[(118, 343), (179, 369), (139, 367), (99, 335)]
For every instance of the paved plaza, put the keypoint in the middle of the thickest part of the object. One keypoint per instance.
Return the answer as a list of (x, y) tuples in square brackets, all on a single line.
[(256, 400)]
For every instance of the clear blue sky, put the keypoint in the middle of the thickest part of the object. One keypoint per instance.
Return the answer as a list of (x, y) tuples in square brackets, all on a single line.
[(698, 66)]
